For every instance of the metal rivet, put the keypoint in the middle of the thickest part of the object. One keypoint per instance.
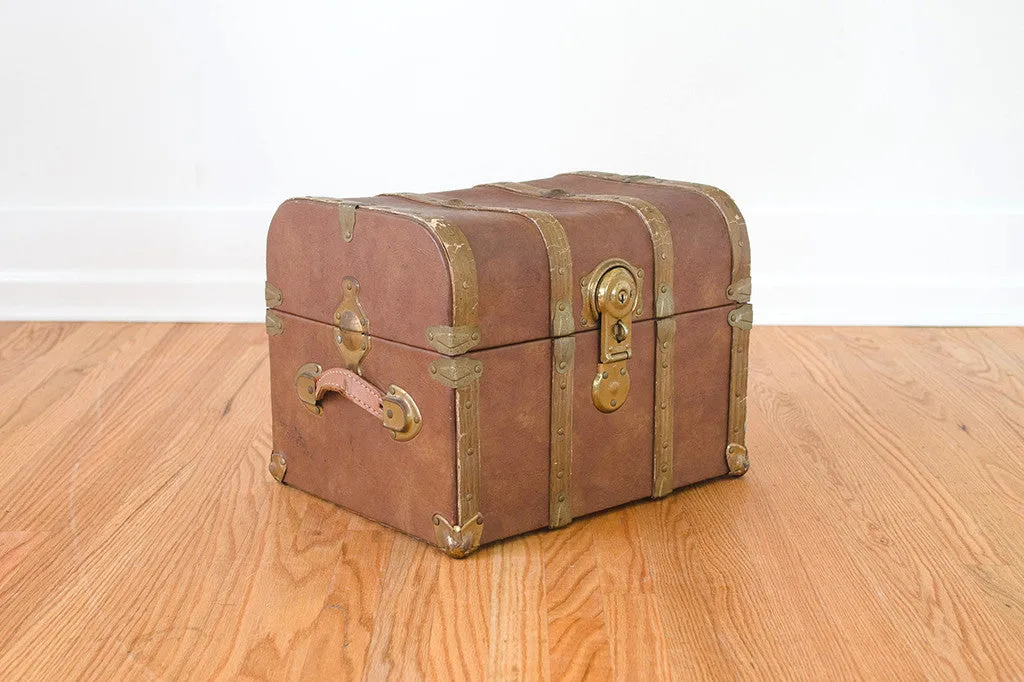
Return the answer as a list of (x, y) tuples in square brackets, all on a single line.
[(639, 272), (338, 338), (664, 256), (465, 285), (563, 385), (560, 474), (469, 404), (561, 306), (664, 288), (433, 370), (561, 271), (561, 432), (309, 389), (391, 390), (337, 316), (469, 496), (437, 521), (664, 364), (664, 467), (663, 406), (478, 369), (475, 336), (469, 452), (430, 337), (561, 497), (664, 446), (416, 419), (622, 371), (390, 414), (604, 375), (665, 345), (614, 402), (561, 365)]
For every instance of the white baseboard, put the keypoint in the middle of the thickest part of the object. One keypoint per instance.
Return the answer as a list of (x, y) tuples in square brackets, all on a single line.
[(810, 267)]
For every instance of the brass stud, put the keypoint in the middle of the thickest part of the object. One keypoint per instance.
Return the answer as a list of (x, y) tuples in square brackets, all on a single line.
[(475, 336), (561, 365), (614, 402), (478, 368), (561, 431), (604, 375), (664, 467), (390, 414), (560, 474), (561, 306), (664, 288), (561, 497), (622, 371)]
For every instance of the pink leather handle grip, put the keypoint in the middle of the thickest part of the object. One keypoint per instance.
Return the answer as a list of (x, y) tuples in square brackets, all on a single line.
[(394, 407), (352, 386)]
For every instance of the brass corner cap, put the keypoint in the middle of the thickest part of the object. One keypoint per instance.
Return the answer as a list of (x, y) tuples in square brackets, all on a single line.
[(278, 466), (736, 458), (458, 541)]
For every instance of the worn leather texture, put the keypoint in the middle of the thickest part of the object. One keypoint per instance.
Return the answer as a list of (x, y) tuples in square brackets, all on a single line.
[(346, 456)]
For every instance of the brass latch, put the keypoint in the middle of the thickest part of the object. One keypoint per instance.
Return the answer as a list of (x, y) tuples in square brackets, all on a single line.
[(613, 293)]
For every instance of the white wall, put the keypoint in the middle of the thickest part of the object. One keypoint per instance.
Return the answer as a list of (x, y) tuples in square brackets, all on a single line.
[(875, 146)]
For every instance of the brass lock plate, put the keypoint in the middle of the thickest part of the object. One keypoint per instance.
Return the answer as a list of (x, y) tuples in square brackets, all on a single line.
[(612, 295)]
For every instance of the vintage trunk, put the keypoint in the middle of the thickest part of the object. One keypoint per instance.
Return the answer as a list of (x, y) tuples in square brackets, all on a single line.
[(466, 366)]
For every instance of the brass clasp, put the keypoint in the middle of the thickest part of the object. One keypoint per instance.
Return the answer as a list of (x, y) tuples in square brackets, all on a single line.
[(612, 293)]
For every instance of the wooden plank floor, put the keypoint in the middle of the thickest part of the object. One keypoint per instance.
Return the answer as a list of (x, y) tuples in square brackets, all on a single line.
[(879, 534)]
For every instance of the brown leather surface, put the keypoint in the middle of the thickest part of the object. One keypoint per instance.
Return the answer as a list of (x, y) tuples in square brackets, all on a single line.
[(350, 385), (348, 457)]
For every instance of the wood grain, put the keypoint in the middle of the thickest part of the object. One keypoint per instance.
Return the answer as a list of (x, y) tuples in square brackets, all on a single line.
[(879, 534)]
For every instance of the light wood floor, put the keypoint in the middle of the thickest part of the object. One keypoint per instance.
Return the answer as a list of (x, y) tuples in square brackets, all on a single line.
[(879, 533)]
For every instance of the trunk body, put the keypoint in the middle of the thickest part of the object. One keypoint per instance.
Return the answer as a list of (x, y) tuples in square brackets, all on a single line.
[(492, 308)]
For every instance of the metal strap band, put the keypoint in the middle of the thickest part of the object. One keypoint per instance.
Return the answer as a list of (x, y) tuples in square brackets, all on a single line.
[(563, 349), (664, 257), (741, 319), (664, 404), (465, 299)]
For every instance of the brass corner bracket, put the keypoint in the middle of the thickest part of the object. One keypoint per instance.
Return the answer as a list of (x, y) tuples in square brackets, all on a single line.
[(742, 317), (739, 291), (278, 466), (458, 541), (456, 372), (275, 325), (453, 340), (736, 458), (273, 295)]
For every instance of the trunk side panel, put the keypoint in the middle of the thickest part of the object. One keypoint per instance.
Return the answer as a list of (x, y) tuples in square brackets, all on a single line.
[(345, 455)]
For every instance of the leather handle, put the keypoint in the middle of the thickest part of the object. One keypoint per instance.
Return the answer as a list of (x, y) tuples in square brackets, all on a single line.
[(394, 407)]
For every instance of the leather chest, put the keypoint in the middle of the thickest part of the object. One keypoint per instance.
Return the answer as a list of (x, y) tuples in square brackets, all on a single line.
[(470, 365)]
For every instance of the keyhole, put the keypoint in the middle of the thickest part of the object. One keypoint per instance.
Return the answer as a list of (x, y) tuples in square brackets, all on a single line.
[(620, 332), (623, 297)]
